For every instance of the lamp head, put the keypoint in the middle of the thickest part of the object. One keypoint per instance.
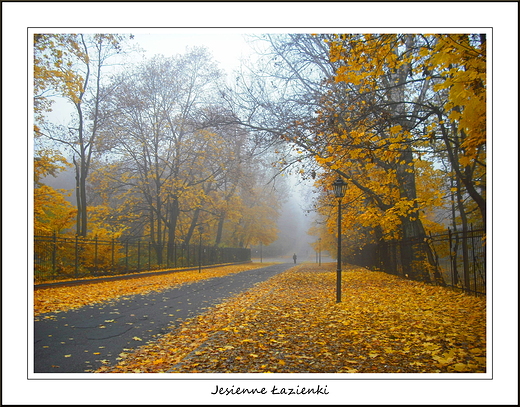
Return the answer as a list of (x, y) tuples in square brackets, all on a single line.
[(340, 187)]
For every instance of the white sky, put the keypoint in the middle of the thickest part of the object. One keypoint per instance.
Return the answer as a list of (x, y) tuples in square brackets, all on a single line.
[(227, 48)]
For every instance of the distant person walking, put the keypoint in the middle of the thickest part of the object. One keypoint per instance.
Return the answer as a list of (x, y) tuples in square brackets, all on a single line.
[(294, 258)]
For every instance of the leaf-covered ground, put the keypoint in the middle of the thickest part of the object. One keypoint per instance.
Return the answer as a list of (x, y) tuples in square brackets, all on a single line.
[(58, 299), (292, 324)]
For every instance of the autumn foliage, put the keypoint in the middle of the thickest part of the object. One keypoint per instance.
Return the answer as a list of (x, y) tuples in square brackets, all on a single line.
[(402, 119), (166, 148), (155, 152), (52, 212), (291, 324)]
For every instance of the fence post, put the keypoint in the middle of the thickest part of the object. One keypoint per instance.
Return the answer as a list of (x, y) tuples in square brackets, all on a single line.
[(95, 254), (474, 262), (149, 255), (126, 256), (113, 248), (465, 257), (54, 253), (138, 256), (200, 253), (452, 266), (76, 258)]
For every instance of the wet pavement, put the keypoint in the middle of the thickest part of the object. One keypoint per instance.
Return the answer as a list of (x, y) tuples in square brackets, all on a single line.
[(82, 340)]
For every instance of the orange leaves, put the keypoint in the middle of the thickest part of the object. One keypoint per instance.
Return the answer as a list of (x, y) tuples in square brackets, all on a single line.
[(291, 324)]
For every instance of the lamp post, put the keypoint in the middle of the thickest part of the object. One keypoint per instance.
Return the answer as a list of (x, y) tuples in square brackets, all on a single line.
[(340, 187)]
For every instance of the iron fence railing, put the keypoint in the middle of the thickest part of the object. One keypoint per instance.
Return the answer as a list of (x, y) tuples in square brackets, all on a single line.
[(59, 258), (459, 257)]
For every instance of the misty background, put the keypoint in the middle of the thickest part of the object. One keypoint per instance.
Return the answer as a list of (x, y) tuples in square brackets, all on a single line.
[(295, 220)]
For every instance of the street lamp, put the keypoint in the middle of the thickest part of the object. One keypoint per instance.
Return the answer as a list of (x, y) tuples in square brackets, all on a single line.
[(340, 187)]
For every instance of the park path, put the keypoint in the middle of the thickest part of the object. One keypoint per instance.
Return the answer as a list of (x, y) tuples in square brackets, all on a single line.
[(81, 340)]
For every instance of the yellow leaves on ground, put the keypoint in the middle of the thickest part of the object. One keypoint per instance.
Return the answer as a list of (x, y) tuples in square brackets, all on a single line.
[(58, 299), (292, 324)]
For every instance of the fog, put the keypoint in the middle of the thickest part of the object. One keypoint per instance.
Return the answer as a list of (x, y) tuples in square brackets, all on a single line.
[(294, 223)]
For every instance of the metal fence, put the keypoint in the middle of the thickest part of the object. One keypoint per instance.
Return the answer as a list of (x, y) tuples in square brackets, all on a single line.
[(459, 257), (59, 258), (462, 258)]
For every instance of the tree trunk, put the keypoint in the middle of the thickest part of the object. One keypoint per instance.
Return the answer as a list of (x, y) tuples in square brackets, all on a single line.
[(78, 198), (416, 257), (83, 172), (193, 225), (156, 234), (465, 250), (464, 175), (220, 229), (172, 225)]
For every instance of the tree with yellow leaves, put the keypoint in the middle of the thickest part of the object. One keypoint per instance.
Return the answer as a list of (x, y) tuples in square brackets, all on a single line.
[(396, 90), (370, 127), (70, 66), (179, 167), (458, 63), (370, 108), (52, 212)]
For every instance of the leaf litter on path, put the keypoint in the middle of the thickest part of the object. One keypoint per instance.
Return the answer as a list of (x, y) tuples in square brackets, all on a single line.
[(64, 298), (292, 324)]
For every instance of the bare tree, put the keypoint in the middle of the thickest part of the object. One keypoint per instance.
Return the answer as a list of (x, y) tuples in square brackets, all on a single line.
[(78, 62)]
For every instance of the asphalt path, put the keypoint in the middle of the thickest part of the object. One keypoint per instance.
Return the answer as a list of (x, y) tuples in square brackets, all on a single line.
[(81, 340)]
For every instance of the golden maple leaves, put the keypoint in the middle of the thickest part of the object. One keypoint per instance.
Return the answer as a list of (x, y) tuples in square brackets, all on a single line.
[(291, 324)]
